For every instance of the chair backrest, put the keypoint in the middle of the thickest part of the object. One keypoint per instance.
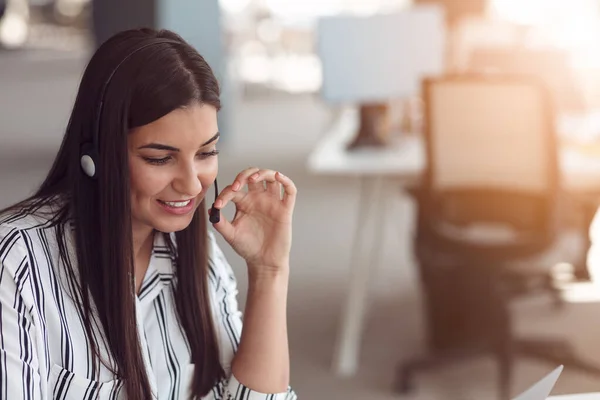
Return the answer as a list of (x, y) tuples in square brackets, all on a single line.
[(491, 150)]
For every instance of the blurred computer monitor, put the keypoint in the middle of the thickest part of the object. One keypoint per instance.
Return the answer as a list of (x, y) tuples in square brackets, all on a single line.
[(377, 58)]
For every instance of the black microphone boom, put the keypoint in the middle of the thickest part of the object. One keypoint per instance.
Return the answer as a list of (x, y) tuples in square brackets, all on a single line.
[(215, 213)]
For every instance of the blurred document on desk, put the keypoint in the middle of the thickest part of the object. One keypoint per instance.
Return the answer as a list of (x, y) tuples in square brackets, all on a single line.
[(541, 390)]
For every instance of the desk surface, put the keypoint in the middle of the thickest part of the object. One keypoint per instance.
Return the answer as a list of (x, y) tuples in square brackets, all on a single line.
[(405, 157)]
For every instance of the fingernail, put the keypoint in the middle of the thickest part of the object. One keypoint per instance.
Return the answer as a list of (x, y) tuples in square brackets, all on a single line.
[(219, 203), (255, 175), (236, 186)]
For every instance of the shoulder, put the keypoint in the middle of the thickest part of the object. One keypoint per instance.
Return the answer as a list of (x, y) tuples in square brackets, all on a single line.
[(13, 252), (11, 240), (13, 226), (31, 216), (23, 221), (21, 234)]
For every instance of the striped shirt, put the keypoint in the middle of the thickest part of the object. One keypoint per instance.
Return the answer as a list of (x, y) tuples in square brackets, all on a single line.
[(44, 350)]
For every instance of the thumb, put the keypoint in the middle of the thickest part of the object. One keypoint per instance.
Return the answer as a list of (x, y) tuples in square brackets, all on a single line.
[(224, 227)]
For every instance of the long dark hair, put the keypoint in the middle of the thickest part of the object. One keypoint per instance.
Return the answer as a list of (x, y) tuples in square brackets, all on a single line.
[(153, 82)]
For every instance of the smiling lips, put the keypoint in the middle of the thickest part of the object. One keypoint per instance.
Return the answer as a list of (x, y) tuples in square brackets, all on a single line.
[(177, 203), (177, 207)]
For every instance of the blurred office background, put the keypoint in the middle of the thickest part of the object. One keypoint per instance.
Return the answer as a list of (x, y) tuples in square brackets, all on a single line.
[(378, 308)]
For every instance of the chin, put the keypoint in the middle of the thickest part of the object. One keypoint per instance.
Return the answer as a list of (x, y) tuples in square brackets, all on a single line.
[(173, 226)]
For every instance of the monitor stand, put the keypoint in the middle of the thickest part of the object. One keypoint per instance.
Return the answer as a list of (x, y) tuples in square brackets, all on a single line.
[(374, 127)]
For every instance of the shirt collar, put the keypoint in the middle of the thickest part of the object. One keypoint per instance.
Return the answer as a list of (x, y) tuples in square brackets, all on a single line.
[(160, 273)]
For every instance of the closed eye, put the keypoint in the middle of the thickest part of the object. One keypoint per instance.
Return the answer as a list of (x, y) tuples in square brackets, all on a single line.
[(209, 154), (157, 161), (164, 160)]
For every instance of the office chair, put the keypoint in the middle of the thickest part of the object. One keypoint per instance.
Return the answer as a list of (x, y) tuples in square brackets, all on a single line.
[(488, 221)]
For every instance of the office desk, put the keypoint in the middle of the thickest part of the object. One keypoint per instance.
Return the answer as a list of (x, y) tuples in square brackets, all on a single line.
[(404, 158), (403, 161)]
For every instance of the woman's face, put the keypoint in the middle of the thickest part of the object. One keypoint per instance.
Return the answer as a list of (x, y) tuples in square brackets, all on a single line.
[(172, 163)]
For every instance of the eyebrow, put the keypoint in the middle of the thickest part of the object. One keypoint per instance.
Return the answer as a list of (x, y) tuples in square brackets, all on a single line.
[(158, 146)]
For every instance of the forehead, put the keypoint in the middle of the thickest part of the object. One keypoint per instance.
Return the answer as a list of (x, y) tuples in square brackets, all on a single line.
[(192, 125)]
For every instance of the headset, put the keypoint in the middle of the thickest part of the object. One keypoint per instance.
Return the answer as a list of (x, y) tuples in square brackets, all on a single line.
[(89, 150)]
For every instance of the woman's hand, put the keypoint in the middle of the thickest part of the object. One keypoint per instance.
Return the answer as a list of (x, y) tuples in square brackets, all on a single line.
[(261, 230)]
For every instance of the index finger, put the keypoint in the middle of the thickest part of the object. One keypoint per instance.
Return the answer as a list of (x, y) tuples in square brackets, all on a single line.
[(242, 178), (289, 189), (227, 195)]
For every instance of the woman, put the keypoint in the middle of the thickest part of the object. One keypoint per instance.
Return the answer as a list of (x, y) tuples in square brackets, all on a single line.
[(111, 287)]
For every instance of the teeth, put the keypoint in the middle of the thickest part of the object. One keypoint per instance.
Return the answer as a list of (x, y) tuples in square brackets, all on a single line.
[(177, 203)]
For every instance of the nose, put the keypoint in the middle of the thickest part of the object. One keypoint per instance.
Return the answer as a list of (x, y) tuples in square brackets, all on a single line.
[(187, 182)]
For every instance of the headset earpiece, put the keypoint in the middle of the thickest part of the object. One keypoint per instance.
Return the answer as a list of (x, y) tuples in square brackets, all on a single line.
[(89, 160)]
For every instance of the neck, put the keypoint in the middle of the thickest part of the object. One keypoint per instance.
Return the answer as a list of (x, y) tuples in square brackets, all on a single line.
[(141, 237)]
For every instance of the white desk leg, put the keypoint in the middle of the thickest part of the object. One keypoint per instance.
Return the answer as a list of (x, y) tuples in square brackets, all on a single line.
[(345, 362)]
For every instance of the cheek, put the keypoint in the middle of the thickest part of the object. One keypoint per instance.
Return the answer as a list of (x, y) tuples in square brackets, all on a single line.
[(209, 173), (146, 181), (212, 169)]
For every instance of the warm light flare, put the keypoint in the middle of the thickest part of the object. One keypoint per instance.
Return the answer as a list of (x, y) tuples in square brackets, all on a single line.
[(544, 12), (572, 25)]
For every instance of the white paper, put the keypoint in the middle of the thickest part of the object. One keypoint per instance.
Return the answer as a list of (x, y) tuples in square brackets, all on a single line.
[(541, 390)]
